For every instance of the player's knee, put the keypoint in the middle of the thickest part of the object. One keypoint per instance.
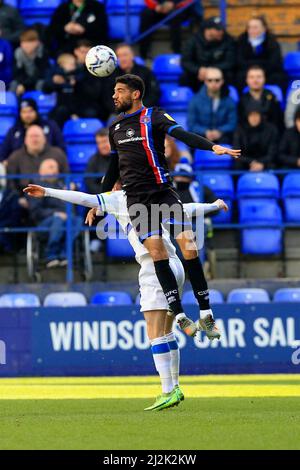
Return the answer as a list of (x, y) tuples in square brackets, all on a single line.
[(158, 255), (189, 253)]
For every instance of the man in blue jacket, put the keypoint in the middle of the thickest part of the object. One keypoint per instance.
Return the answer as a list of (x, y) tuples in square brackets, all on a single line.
[(212, 113)]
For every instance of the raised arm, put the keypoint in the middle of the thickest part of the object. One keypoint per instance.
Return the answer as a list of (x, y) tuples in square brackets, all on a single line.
[(74, 197), (198, 142)]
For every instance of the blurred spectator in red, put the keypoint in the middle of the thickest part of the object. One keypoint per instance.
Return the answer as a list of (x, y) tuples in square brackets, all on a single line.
[(211, 46), (6, 61), (268, 102), (11, 23), (31, 63), (28, 158), (258, 141), (28, 116), (127, 64), (157, 10), (99, 162), (289, 149), (74, 20), (212, 112), (257, 46), (63, 79)]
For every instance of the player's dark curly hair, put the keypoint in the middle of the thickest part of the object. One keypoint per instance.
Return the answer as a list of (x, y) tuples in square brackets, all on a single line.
[(133, 82)]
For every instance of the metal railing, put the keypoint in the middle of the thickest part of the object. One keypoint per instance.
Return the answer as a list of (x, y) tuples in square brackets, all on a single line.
[(69, 178)]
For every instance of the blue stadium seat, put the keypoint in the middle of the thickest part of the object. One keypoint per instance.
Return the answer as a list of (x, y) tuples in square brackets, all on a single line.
[(259, 211), (79, 155), (215, 297), (291, 185), (291, 197), (119, 248), (19, 300), (258, 185), (233, 93), (138, 299), (292, 64), (110, 298), (261, 241), (65, 299), (117, 26), (81, 130), (12, 3), (119, 6), (220, 184), (10, 107), (288, 294), (138, 60), (6, 122), (175, 98), (45, 102), (179, 117), (248, 296), (205, 159), (38, 11), (167, 67)]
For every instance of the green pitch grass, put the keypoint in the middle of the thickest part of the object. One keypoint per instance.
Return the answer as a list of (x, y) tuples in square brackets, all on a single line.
[(263, 412)]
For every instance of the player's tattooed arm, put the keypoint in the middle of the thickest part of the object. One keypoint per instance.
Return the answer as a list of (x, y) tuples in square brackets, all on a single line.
[(112, 174), (199, 142)]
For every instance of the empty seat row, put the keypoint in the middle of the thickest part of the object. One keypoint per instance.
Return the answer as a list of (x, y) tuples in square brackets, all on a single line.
[(119, 298)]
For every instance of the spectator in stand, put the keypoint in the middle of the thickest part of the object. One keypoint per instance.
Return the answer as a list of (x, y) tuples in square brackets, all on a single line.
[(258, 141), (11, 23), (127, 64), (6, 61), (156, 11), (99, 162), (293, 102), (91, 93), (51, 213), (27, 159), (31, 63), (257, 46), (211, 46), (289, 149), (212, 112), (28, 116), (74, 20), (268, 102), (63, 79)]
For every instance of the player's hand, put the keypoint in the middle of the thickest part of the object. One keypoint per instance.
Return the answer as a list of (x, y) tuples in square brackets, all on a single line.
[(35, 190), (219, 150), (221, 205), (91, 215)]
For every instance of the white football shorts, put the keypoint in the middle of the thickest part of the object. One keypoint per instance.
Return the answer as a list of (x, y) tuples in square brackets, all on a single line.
[(152, 296)]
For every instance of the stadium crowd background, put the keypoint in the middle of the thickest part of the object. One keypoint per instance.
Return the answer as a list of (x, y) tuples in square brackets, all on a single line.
[(54, 118)]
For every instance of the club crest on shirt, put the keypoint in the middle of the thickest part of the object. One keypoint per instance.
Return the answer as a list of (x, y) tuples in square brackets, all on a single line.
[(145, 119), (130, 132)]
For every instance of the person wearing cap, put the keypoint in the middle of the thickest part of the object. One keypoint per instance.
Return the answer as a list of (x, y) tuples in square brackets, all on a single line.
[(11, 23), (31, 63), (211, 46), (212, 112), (157, 10), (257, 93), (257, 46), (289, 149), (258, 141), (28, 116)]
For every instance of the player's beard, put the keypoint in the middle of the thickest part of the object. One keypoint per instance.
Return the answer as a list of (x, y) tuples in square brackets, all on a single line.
[(124, 107)]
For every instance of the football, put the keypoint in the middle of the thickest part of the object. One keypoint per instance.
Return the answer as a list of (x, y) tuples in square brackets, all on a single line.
[(101, 61)]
